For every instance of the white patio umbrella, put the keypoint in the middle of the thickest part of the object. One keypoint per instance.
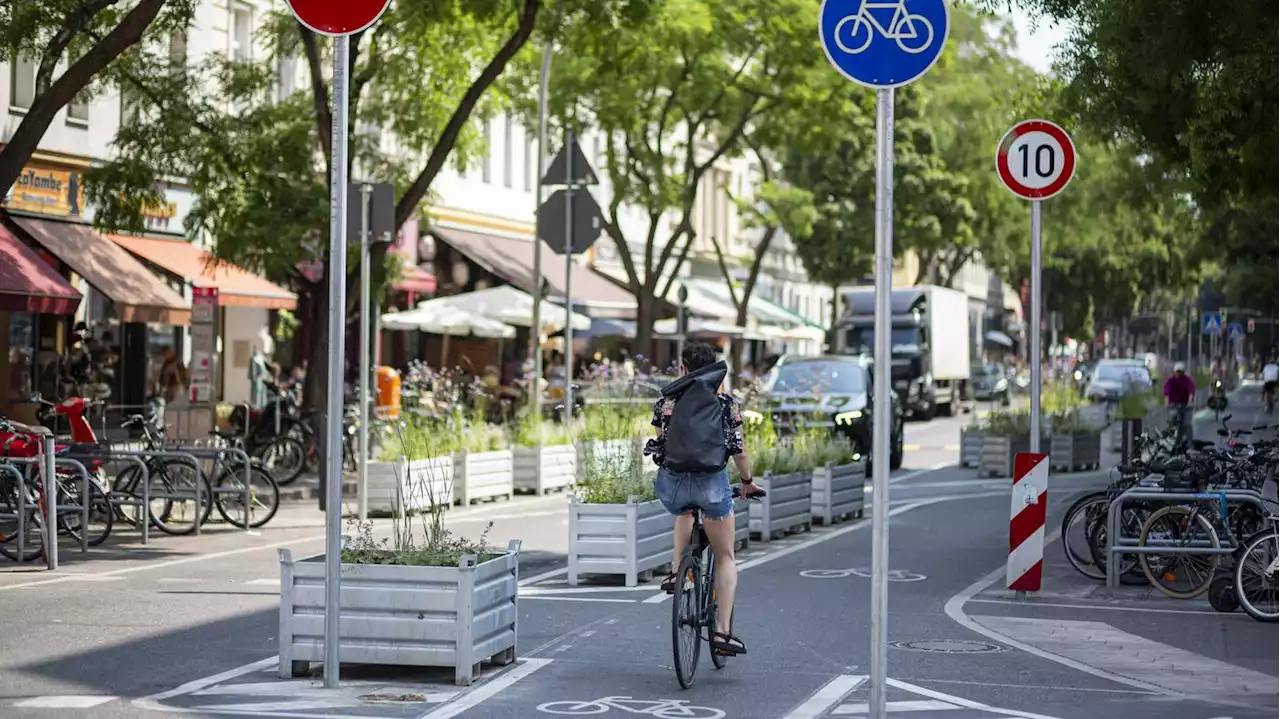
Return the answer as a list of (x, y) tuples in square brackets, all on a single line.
[(512, 306), (449, 321)]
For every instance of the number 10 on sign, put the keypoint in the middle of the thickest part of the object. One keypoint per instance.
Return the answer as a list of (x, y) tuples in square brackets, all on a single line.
[(1035, 160)]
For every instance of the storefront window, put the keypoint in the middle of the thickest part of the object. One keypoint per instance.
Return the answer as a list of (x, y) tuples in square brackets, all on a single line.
[(22, 341)]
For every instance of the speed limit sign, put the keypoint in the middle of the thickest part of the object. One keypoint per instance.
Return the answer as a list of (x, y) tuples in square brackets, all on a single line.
[(1036, 159)]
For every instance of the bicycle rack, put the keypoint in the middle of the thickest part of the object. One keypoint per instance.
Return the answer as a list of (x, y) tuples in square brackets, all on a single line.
[(147, 496), (1117, 544), (21, 511), (215, 453), (117, 499), (44, 463), (85, 500)]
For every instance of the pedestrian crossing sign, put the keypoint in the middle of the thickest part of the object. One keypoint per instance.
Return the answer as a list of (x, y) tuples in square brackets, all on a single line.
[(1210, 323), (1235, 331)]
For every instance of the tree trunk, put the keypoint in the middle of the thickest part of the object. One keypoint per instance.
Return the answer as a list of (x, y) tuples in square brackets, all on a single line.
[(644, 326)]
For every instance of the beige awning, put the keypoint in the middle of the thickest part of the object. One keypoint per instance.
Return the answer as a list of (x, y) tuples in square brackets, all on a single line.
[(512, 260), (138, 295)]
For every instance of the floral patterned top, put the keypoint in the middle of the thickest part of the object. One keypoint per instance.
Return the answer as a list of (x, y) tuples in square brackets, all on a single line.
[(732, 414)]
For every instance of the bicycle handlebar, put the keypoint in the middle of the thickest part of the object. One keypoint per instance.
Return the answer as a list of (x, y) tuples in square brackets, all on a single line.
[(737, 493)]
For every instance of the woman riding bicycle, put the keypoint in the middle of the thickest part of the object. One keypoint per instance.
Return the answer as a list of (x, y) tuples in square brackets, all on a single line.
[(699, 429), (1179, 393), (1270, 375)]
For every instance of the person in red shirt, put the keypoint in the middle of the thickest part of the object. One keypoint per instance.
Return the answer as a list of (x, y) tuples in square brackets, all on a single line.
[(1179, 393)]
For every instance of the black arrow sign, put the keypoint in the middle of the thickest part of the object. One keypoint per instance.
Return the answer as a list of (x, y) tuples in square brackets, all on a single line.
[(558, 173)]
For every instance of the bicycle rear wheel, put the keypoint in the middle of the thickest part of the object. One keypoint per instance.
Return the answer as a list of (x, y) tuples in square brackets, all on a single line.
[(285, 457), (173, 485), (1077, 526), (1180, 576), (686, 620), (33, 539), (101, 514)]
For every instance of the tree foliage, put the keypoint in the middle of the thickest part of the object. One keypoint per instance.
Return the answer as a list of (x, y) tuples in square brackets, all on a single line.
[(71, 43)]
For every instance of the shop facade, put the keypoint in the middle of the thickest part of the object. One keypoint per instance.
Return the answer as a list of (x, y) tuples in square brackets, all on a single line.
[(102, 348)]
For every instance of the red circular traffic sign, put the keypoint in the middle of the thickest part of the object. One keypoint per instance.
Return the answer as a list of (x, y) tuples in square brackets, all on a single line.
[(338, 17), (1036, 159)]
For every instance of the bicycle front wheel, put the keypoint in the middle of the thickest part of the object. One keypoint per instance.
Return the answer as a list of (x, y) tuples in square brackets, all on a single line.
[(1180, 576), (285, 456), (101, 514), (1256, 578), (1077, 526), (686, 620)]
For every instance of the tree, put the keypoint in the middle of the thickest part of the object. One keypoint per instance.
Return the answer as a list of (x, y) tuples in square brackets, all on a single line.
[(675, 96), (1193, 86), (258, 158), (93, 32)]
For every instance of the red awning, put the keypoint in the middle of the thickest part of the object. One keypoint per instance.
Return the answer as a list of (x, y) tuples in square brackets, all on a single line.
[(29, 284), (415, 279)]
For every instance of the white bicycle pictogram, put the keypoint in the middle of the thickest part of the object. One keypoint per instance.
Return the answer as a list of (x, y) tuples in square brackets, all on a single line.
[(660, 708), (902, 28), (893, 575)]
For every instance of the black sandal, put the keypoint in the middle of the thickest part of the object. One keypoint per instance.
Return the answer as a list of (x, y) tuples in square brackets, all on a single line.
[(727, 645), (669, 584)]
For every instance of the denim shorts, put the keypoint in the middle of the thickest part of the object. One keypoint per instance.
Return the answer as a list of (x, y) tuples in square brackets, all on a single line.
[(708, 491)]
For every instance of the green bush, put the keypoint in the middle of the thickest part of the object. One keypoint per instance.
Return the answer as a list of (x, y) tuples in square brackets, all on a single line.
[(613, 473), (532, 431)]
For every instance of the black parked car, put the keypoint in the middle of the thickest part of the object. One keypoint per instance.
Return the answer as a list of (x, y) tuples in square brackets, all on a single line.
[(828, 391)]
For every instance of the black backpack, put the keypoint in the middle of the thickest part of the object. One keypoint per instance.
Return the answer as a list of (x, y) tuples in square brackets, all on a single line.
[(695, 432)]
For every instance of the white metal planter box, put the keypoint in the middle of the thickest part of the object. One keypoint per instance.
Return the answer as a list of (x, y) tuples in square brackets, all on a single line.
[(625, 539), (838, 491), (971, 446), (404, 616), (786, 507), (541, 469), (1086, 451), (1060, 452), (996, 459), (479, 475), (410, 486)]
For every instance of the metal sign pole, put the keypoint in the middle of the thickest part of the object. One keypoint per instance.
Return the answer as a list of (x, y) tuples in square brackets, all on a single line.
[(362, 462), (535, 331), (568, 279), (337, 347), (1036, 300), (882, 422)]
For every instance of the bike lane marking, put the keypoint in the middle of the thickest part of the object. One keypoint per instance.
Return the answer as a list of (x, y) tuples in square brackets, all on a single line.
[(487, 690)]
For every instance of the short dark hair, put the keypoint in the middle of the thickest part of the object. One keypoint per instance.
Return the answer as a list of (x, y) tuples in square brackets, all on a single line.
[(697, 355)]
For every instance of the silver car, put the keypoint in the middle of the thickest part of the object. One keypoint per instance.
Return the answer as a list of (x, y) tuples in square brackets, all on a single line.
[(1115, 379)]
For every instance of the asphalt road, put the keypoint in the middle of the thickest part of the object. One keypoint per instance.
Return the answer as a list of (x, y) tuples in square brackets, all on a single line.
[(187, 628)]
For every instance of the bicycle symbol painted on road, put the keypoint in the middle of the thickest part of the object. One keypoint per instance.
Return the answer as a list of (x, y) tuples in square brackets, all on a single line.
[(894, 575), (660, 708), (913, 33)]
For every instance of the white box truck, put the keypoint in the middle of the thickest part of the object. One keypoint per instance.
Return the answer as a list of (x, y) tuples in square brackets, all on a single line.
[(929, 342)]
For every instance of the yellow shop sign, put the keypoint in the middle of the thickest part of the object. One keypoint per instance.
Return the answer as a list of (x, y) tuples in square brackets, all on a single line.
[(47, 191)]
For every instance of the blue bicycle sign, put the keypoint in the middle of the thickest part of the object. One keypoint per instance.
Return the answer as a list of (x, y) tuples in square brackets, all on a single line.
[(883, 43)]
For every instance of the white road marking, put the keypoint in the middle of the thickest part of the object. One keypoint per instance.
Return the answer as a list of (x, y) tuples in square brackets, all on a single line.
[(550, 591), (314, 690), (73, 701), (488, 690), (826, 697), (1032, 603), (152, 701), (561, 598), (544, 576), (919, 705), (266, 582), (961, 701), (955, 609), (918, 472), (519, 515)]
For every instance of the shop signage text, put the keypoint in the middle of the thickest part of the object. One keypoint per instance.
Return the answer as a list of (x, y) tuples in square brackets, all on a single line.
[(47, 191)]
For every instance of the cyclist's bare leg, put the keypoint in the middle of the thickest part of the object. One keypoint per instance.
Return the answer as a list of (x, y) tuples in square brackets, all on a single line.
[(720, 532), (684, 528)]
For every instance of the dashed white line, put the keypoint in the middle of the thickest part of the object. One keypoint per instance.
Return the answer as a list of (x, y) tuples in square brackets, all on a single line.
[(73, 701), (826, 697)]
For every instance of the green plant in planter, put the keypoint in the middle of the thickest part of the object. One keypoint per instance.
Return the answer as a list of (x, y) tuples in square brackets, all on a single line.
[(616, 420), (1135, 406), (1072, 423), (428, 543), (1008, 424), (532, 431)]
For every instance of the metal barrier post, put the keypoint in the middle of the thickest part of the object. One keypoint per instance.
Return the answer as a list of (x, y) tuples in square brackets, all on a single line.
[(50, 505)]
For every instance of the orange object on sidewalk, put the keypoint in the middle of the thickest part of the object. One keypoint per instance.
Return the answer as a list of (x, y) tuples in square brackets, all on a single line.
[(388, 393)]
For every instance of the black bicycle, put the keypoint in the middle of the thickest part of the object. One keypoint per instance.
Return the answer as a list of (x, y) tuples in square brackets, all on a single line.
[(693, 608)]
